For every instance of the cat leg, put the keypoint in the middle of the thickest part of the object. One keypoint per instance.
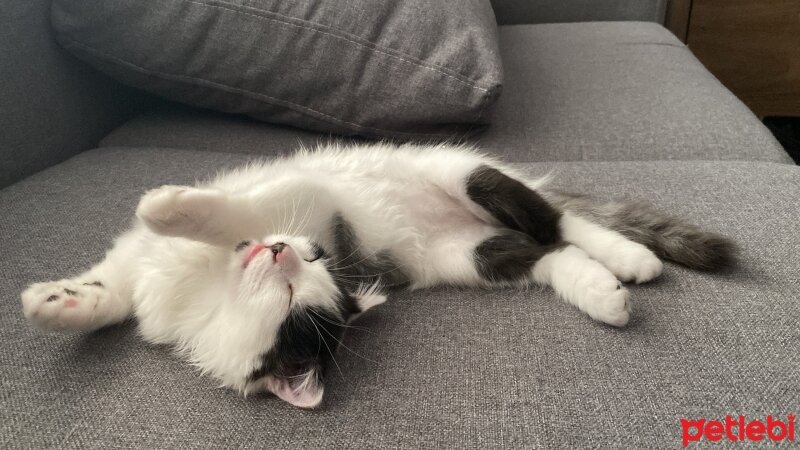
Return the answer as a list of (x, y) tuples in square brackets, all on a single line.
[(627, 260), (220, 218), (514, 204), (201, 214), (95, 299), (512, 257), (520, 208), (477, 256)]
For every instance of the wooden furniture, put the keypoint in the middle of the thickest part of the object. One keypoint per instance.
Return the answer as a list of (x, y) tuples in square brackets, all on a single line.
[(752, 46)]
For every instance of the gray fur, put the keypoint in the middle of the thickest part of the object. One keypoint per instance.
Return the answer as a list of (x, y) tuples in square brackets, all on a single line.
[(670, 238), (510, 256), (351, 267)]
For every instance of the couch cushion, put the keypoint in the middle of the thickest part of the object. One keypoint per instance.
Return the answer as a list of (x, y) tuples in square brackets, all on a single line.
[(386, 69), (484, 368), (617, 91), (587, 91)]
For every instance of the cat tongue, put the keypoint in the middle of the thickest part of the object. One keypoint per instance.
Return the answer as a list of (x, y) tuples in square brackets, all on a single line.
[(252, 253)]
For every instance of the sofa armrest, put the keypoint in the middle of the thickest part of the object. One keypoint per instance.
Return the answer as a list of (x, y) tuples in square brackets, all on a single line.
[(550, 11), (53, 106)]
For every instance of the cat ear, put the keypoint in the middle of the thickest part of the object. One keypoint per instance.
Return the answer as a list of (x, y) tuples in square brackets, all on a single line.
[(367, 300), (303, 391)]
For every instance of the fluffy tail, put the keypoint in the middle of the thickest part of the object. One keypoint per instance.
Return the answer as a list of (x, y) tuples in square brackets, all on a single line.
[(670, 238)]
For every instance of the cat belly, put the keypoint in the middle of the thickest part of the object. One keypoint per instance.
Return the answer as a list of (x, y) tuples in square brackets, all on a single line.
[(447, 236)]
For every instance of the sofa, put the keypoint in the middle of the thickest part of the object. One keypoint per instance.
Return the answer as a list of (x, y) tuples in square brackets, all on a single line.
[(602, 95)]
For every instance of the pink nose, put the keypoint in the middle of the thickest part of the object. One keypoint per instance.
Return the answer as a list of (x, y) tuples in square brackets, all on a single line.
[(280, 252)]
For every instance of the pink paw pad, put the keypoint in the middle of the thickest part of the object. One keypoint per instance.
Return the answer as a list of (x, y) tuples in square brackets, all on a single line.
[(70, 303)]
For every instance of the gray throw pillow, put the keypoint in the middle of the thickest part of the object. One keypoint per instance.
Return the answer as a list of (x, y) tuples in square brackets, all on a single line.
[(381, 68)]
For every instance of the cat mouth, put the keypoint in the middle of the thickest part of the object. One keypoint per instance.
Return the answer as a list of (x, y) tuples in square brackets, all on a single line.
[(252, 253)]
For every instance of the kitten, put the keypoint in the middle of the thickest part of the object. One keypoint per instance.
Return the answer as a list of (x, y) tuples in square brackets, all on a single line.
[(253, 276)]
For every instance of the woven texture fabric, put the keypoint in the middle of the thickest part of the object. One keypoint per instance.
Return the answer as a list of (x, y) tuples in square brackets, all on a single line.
[(616, 91), (314, 64), (446, 367), (589, 91)]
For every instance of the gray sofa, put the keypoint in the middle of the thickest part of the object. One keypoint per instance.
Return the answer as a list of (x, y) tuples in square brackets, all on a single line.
[(619, 109)]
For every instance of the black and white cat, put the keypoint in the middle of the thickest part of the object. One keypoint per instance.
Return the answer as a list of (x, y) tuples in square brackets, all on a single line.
[(253, 276)]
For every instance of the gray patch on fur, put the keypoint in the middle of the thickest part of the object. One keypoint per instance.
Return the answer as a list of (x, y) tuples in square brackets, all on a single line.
[(670, 238), (510, 256), (514, 204), (354, 269)]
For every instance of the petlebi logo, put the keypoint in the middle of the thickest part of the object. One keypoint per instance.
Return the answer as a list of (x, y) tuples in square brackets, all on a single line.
[(739, 429)]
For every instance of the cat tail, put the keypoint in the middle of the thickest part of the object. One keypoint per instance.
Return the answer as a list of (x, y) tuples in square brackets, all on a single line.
[(668, 237)]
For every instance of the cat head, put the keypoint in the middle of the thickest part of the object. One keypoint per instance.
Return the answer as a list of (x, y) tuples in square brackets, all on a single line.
[(291, 280)]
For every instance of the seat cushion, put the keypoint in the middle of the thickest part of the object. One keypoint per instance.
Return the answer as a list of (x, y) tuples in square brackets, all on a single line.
[(616, 91), (611, 91), (484, 368)]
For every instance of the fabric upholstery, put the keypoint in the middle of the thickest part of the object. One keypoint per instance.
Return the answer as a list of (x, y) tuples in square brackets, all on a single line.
[(616, 91), (550, 11), (52, 106), (447, 367), (194, 129), (591, 91), (387, 69)]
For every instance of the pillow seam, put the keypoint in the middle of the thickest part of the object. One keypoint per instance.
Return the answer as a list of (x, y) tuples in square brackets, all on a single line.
[(252, 94), (372, 46)]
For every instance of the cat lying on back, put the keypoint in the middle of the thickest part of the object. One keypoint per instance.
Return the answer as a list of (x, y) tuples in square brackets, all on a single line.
[(254, 276)]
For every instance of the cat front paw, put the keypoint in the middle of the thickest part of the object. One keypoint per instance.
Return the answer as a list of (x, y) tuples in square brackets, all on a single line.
[(175, 210), (65, 305), (633, 262)]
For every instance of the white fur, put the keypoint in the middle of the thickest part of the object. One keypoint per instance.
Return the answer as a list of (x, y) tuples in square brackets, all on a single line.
[(176, 270), (627, 260), (585, 283)]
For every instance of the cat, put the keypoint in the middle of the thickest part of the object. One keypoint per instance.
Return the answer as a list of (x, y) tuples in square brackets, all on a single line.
[(253, 276)]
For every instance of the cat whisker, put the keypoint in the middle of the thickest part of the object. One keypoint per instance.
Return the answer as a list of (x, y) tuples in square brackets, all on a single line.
[(368, 282), (290, 229), (321, 338), (285, 224), (307, 217), (348, 348), (369, 275), (357, 262), (343, 325), (350, 255), (304, 374)]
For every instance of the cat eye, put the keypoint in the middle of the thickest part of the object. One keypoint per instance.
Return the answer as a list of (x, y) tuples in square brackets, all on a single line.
[(241, 246)]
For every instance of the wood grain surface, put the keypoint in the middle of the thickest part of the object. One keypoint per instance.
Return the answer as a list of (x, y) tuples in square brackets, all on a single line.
[(753, 47), (677, 19)]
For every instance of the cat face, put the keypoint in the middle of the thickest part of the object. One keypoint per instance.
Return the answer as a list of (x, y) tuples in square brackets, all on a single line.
[(291, 279)]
